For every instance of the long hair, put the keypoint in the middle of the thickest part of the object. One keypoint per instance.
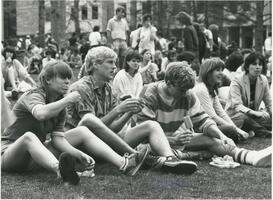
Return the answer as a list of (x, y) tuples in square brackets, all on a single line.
[(206, 69)]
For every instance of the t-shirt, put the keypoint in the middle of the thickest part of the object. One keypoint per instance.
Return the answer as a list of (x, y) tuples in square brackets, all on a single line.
[(145, 39), (170, 113), (25, 121), (118, 28), (20, 72), (94, 38)]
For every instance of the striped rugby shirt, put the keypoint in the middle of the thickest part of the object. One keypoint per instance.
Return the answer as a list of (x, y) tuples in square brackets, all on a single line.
[(170, 115)]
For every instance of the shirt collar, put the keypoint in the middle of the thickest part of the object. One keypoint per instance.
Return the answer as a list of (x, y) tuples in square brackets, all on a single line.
[(95, 83)]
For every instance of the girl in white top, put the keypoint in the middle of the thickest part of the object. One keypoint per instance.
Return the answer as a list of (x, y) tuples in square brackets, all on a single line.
[(210, 77), (128, 81)]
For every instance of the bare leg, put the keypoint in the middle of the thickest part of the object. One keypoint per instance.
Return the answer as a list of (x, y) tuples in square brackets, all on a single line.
[(151, 131), (105, 134), (82, 136), (28, 147), (11, 77)]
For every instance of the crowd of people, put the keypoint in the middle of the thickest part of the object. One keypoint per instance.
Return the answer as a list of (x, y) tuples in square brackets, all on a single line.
[(156, 104)]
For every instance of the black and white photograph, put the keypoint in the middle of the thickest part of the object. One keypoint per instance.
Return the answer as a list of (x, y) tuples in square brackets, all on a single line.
[(136, 99)]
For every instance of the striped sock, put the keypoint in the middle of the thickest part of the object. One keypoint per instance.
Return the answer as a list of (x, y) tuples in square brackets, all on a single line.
[(241, 156)]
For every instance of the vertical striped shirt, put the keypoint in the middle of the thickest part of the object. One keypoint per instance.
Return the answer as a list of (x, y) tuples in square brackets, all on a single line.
[(170, 115)]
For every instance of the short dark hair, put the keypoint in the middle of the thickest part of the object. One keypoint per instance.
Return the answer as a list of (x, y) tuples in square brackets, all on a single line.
[(181, 75), (96, 28), (146, 17), (234, 61), (131, 54), (251, 59), (186, 56), (144, 51), (120, 8), (11, 50), (184, 18)]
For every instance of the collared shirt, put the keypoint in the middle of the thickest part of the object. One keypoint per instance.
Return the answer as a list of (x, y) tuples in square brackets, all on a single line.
[(118, 28), (94, 99)]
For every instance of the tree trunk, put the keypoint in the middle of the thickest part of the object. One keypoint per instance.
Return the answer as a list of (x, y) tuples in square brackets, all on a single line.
[(41, 23), (259, 26), (76, 17), (58, 21)]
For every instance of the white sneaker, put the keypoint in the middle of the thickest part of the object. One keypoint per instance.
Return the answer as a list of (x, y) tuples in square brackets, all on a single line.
[(262, 158)]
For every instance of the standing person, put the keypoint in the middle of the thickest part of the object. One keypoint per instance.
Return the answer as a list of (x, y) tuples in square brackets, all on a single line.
[(268, 45), (98, 101), (163, 42), (42, 111), (15, 75), (147, 35), (148, 69), (210, 77), (117, 32), (171, 101), (95, 37), (134, 37), (191, 42), (128, 81), (246, 93)]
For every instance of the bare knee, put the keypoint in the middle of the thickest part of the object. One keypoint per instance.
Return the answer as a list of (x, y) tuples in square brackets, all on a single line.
[(91, 121), (30, 138), (152, 126), (84, 132)]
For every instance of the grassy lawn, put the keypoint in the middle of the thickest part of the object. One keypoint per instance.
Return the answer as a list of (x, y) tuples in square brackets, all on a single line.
[(245, 182), (208, 182)]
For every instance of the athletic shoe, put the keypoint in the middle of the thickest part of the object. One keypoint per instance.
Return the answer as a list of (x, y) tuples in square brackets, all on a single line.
[(174, 165), (134, 161), (262, 158), (67, 168)]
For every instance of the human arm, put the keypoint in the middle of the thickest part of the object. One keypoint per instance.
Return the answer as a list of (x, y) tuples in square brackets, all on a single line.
[(47, 111), (267, 97), (211, 106), (108, 31)]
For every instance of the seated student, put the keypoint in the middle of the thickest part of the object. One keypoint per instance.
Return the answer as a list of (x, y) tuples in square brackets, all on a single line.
[(128, 81), (35, 65), (210, 77), (48, 57), (97, 101), (75, 60), (233, 62), (169, 102), (15, 75), (246, 93), (42, 111), (189, 57), (171, 57), (148, 69)]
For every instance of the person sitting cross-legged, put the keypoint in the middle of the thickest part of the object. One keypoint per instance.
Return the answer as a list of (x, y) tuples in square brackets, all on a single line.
[(99, 110), (170, 101)]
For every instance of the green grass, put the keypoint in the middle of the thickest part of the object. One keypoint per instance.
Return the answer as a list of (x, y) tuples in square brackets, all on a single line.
[(245, 182), (208, 182)]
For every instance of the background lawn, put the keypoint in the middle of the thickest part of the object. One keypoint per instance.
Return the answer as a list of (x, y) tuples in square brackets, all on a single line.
[(245, 182)]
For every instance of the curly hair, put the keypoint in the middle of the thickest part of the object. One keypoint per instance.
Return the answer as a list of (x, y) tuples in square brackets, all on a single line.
[(181, 75), (98, 55)]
